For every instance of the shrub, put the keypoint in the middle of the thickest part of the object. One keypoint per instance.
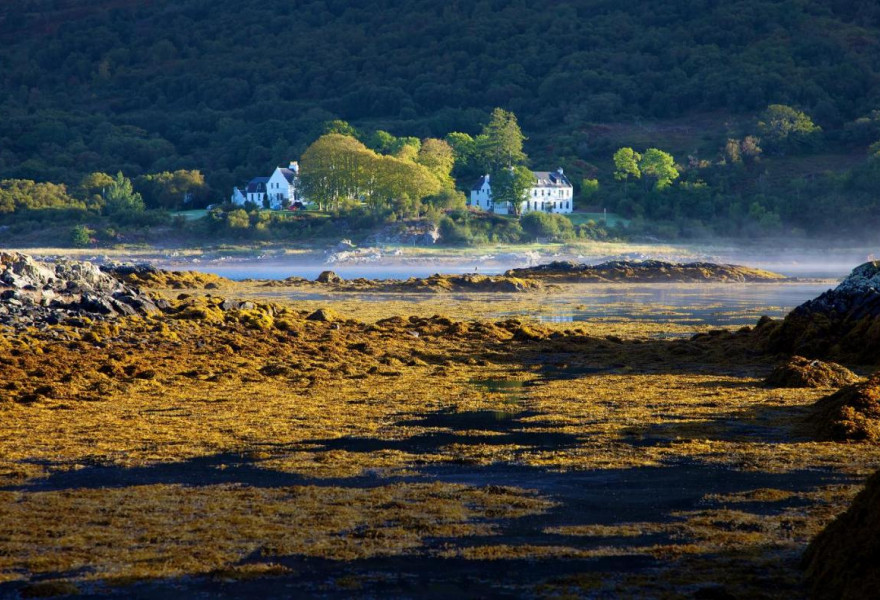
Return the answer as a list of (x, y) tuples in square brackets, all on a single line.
[(81, 236)]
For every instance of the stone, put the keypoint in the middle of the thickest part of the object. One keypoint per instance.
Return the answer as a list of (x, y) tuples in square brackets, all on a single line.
[(329, 277), (324, 315)]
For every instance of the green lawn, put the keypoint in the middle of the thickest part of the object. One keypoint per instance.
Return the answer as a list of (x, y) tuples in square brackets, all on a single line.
[(579, 218), (190, 215)]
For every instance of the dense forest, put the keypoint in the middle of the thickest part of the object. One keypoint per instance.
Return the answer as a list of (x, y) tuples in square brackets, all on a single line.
[(233, 88)]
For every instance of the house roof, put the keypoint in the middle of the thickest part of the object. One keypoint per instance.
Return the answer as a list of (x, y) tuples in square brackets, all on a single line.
[(257, 185), (479, 184), (551, 179), (289, 175)]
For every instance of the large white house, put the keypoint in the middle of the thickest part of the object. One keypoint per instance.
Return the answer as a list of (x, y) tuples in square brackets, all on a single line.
[(278, 191), (551, 192)]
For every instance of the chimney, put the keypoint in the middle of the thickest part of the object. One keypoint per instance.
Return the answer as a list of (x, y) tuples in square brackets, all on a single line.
[(294, 166), (559, 170)]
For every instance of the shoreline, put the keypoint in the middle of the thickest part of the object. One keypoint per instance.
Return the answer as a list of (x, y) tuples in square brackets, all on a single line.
[(404, 261)]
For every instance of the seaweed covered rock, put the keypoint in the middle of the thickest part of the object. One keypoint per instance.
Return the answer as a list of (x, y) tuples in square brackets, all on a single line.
[(470, 282), (842, 324), (850, 414), (800, 372), (324, 315), (146, 275), (843, 561), (642, 271)]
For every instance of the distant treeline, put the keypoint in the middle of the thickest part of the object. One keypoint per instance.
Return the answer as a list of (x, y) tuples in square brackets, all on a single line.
[(230, 87)]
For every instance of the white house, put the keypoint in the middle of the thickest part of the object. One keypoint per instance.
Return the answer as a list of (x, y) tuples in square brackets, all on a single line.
[(551, 192), (278, 191)]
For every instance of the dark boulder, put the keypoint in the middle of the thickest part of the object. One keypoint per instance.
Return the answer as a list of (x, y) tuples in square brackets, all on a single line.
[(842, 324), (329, 277)]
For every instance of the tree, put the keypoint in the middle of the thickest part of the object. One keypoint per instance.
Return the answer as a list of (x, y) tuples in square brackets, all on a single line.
[(512, 185), (406, 148), (381, 141), (750, 148), (171, 190), (120, 197), (333, 168), (501, 142), (785, 129), (24, 194), (341, 127), (438, 157), (659, 166), (733, 152), (81, 236), (589, 188), (626, 165), (92, 187)]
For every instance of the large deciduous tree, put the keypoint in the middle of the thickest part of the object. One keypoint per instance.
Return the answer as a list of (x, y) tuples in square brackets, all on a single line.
[(626, 165), (786, 129), (171, 190), (438, 157), (512, 185), (658, 166), (332, 169)]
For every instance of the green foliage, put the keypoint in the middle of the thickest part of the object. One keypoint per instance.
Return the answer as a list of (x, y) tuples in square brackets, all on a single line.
[(589, 188), (169, 190), (341, 127), (500, 145), (626, 165), (547, 225), (19, 195), (447, 199), (658, 166), (149, 88), (785, 129), (238, 219), (120, 197), (81, 236), (338, 168), (511, 185)]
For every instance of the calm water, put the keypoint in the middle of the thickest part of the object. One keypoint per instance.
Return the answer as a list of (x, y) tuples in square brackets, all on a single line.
[(722, 305)]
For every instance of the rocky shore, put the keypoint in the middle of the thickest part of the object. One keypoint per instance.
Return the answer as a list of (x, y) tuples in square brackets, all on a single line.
[(35, 293), (842, 324)]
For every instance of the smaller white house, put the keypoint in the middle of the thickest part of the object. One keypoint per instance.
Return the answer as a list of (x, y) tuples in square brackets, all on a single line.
[(481, 194), (551, 192), (256, 190)]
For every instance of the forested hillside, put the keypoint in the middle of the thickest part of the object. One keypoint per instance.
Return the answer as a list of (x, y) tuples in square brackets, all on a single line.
[(234, 87)]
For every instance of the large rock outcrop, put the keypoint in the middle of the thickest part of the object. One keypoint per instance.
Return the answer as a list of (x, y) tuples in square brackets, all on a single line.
[(843, 561), (842, 324), (34, 292), (641, 271)]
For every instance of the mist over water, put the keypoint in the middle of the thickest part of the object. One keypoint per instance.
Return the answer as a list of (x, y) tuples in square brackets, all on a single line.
[(796, 261)]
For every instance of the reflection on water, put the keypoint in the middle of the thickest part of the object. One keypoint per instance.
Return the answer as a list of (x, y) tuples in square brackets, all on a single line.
[(718, 305)]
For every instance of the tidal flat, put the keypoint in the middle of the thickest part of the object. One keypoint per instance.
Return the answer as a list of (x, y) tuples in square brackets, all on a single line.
[(438, 445)]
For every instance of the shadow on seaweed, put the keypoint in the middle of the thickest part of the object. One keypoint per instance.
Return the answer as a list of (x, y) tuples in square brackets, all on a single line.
[(759, 424)]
